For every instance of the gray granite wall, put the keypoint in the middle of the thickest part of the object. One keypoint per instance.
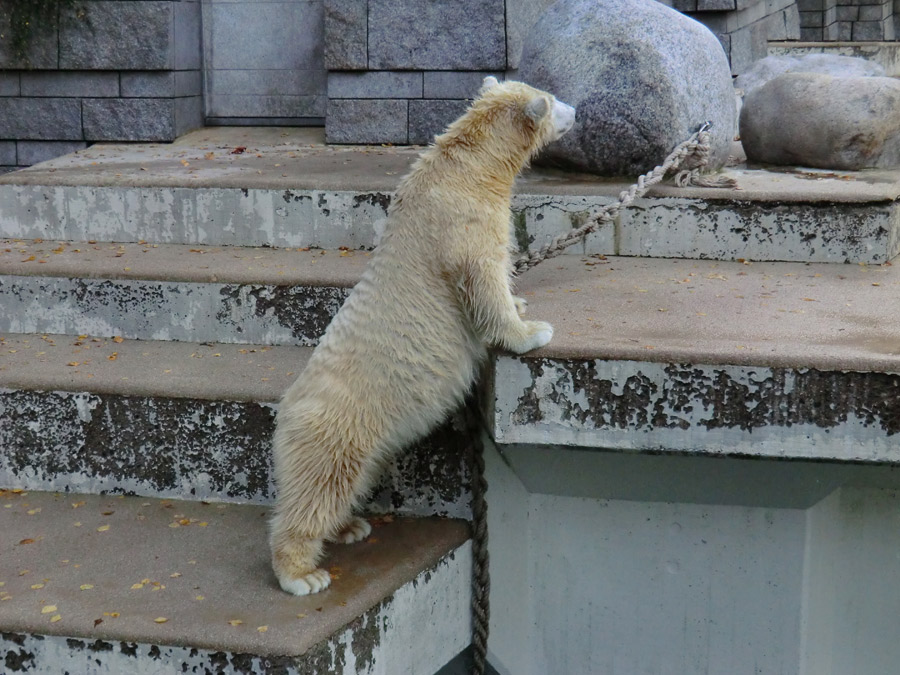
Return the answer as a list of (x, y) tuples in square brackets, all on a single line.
[(846, 20), (110, 70), (399, 72)]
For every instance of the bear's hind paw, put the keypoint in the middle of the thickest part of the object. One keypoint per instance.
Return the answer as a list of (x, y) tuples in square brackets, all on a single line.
[(539, 334), (315, 581), (355, 530)]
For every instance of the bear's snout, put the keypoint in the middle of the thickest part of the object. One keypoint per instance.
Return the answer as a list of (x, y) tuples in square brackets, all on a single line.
[(563, 118)]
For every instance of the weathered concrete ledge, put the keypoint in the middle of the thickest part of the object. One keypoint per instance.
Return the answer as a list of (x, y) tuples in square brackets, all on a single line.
[(173, 292), (298, 192), (181, 602), (179, 420), (885, 54)]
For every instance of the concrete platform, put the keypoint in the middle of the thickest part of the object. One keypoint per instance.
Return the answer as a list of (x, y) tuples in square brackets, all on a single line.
[(181, 420), (93, 584), (885, 54), (286, 188)]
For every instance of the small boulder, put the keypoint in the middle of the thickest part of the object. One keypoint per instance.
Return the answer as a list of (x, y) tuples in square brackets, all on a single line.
[(821, 121), (642, 78), (771, 67)]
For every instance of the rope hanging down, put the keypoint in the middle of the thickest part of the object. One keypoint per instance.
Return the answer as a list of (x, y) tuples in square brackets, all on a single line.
[(688, 159)]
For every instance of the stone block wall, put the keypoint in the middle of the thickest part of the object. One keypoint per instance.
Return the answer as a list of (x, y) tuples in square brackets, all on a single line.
[(399, 72), (847, 20), (744, 27), (112, 70)]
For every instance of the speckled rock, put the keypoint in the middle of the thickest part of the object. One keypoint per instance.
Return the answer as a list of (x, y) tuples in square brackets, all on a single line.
[(806, 119), (769, 68), (642, 77)]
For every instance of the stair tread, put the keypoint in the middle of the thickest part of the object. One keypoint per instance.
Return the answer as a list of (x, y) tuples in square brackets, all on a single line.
[(182, 262), (824, 316), (212, 574), (300, 160), (240, 372)]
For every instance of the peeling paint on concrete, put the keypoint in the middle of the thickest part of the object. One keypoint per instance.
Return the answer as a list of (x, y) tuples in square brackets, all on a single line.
[(193, 449), (655, 227), (386, 640), (736, 410), (161, 310), (694, 228)]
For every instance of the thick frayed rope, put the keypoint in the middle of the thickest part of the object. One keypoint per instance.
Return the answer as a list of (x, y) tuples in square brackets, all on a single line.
[(688, 159)]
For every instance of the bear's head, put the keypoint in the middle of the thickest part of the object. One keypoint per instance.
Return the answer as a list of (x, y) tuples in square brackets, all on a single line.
[(511, 119)]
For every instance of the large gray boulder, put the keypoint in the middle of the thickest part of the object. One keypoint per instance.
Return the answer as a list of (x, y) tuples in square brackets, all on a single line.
[(771, 67), (822, 121), (641, 76)]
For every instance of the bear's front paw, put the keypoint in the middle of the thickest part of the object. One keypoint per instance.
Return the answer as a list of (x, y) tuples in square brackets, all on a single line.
[(539, 333)]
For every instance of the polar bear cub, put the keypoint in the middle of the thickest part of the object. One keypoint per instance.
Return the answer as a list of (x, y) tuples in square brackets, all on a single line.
[(404, 349)]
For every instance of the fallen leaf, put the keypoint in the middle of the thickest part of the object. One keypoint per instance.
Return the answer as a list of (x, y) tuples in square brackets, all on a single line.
[(26, 541), (135, 587), (160, 619), (97, 622), (235, 622), (46, 609), (262, 629), (55, 618), (118, 339), (86, 587), (103, 528), (34, 587)]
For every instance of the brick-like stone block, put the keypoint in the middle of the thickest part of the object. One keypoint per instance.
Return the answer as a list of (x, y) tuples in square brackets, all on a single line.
[(810, 5), (9, 84), (847, 13), (867, 30), (70, 83), (715, 5), (244, 106), (367, 121), (375, 84), (41, 119), (162, 84), (42, 50), (871, 13), (840, 31), (811, 34), (188, 114), (429, 35), (346, 34), (791, 23), (129, 119), (811, 19), (35, 152), (187, 36), (148, 84), (455, 84), (7, 153), (888, 28), (741, 5), (117, 36), (685, 5), (429, 118)]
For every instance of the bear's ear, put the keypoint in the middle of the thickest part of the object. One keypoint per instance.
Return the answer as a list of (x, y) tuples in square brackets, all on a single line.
[(537, 108), (488, 83)]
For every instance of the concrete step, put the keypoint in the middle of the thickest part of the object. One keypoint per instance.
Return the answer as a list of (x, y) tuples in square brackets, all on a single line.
[(297, 195), (767, 360), (94, 584), (180, 420), (172, 291)]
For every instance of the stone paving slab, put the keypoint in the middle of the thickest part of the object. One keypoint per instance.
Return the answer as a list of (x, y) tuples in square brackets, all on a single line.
[(111, 568)]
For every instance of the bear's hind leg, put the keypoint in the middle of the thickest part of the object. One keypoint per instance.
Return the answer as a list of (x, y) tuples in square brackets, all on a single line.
[(319, 478)]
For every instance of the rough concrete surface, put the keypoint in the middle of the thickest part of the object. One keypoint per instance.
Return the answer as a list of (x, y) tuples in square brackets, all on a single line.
[(107, 568)]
